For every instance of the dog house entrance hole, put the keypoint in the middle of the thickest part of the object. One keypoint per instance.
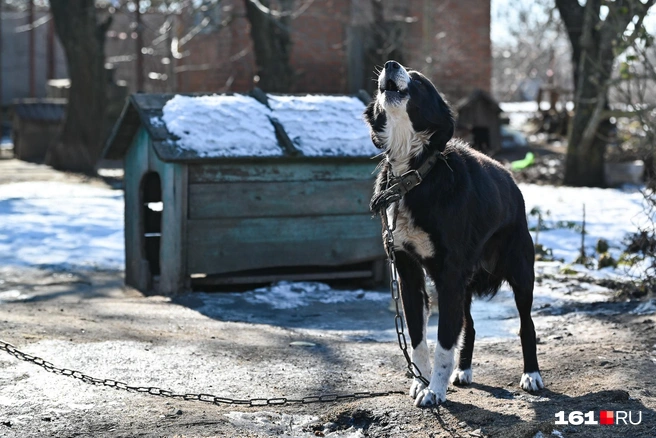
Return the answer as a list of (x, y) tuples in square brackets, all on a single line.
[(152, 207)]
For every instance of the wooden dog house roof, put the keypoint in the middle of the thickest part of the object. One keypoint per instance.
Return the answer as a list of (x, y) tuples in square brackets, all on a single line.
[(188, 128), (40, 110)]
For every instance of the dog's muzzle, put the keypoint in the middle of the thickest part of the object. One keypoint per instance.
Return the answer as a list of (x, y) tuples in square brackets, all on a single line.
[(393, 82)]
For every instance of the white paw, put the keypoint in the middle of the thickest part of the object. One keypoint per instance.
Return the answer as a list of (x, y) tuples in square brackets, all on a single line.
[(531, 382), (416, 387), (427, 397), (461, 377)]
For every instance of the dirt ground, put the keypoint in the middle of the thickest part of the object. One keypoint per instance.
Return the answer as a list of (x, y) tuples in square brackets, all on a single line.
[(593, 357)]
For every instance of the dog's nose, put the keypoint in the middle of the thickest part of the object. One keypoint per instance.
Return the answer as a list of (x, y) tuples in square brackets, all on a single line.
[(392, 65)]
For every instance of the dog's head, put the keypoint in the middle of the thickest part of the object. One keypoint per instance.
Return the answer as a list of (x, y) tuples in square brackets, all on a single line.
[(407, 94)]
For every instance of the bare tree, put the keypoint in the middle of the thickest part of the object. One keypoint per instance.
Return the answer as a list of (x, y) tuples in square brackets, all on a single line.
[(634, 106), (272, 43), (83, 38), (536, 52), (377, 30), (386, 32), (599, 32)]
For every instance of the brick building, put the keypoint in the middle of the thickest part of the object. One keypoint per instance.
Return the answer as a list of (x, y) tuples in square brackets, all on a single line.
[(448, 40)]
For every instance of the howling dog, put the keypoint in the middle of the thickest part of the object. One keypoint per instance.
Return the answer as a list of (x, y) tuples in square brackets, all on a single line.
[(459, 218)]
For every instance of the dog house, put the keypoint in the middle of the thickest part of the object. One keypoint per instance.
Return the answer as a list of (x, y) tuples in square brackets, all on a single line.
[(36, 125), (236, 188), (479, 122)]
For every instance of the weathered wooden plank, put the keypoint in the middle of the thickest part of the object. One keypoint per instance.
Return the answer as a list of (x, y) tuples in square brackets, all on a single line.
[(137, 273), (270, 199), (229, 245), (270, 278), (275, 170), (172, 245)]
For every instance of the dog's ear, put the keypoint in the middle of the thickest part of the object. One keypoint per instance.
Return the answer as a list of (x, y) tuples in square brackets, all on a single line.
[(376, 119), (445, 123), (433, 109)]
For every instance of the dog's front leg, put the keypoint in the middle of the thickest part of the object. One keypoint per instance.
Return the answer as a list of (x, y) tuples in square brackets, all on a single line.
[(416, 310), (450, 299)]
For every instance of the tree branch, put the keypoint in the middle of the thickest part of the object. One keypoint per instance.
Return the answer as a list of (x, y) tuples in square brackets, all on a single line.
[(631, 113)]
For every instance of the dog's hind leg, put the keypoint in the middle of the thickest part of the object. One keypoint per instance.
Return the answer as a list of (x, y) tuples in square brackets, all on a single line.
[(462, 375), (521, 278), (416, 310), (450, 299)]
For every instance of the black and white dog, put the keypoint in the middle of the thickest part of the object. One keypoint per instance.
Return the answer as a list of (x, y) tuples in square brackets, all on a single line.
[(464, 226)]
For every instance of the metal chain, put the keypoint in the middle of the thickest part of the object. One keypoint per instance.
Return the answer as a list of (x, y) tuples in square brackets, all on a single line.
[(206, 398), (217, 400), (394, 288)]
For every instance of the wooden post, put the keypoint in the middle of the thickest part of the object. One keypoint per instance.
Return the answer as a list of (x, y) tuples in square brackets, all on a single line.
[(139, 48), (30, 21)]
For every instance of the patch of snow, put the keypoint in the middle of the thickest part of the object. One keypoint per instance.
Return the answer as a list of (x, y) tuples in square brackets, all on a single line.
[(324, 125), (609, 214), (292, 295), (6, 142), (51, 223), (646, 308), (221, 126), (157, 122), (13, 295), (519, 107), (520, 112)]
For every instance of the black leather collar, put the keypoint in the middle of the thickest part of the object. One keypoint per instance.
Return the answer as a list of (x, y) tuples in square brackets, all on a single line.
[(398, 186)]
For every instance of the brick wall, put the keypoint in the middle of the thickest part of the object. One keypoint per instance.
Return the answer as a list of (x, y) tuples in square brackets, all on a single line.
[(450, 44), (448, 40)]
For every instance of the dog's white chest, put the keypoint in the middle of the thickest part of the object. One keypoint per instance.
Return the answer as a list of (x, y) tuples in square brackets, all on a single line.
[(407, 233), (401, 140)]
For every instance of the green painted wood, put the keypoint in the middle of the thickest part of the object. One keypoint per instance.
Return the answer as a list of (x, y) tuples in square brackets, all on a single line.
[(276, 170), (173, 247), (230, 245), (137, 273), (270, 199)]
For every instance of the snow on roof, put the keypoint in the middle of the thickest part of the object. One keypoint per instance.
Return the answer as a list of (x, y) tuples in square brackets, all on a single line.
[(221, 126), (324, 125)]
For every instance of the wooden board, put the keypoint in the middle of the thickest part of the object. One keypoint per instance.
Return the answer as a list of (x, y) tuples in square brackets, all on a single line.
[(137, 273), (277, 170), (172, 247), (272, 199), (229, 245), (271, 278)]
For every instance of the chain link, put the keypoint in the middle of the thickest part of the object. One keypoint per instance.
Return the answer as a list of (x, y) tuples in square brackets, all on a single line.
[(206, 398), (396, 295)]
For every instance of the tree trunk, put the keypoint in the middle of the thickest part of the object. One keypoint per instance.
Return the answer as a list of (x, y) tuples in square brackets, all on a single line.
[(272, 43), (595, 44), (584, 167), (592, 67), (383, 41), (83, 40)]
